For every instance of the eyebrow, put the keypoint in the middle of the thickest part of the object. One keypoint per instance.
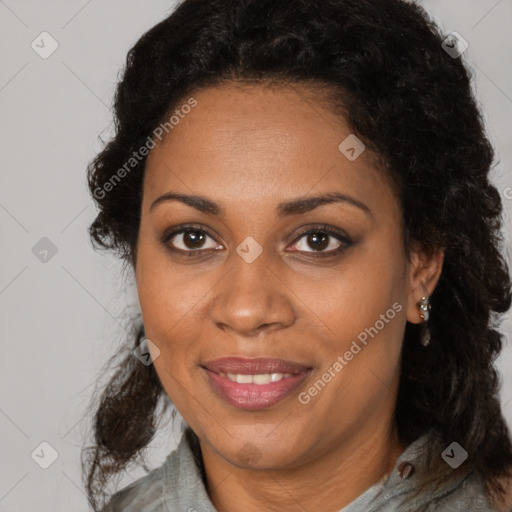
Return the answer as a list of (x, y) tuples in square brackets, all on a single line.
[(295, 206)]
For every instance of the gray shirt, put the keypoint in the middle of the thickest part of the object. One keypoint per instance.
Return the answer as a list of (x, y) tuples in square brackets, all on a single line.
[(177, 486)]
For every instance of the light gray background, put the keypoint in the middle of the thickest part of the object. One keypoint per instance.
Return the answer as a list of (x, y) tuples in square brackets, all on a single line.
[(63, 318)]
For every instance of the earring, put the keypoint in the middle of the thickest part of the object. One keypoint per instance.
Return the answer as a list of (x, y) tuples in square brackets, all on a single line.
[(424, 306)]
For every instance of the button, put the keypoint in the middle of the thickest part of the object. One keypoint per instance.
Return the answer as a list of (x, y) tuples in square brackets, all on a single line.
[(405, 470)]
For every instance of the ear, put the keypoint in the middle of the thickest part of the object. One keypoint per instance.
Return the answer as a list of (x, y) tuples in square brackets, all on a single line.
[(423, 274)]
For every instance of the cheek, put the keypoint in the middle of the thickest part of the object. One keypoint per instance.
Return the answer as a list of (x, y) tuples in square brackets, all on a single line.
[(168, 301), (365, 315), (167, 292), (174, 302), (354, 296), (363, 304)]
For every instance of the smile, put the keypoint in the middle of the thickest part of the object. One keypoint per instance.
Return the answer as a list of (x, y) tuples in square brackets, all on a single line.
[(260, 378), (254, 384)]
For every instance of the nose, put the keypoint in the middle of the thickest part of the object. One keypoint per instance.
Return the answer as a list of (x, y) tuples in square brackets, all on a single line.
[(252, 299)]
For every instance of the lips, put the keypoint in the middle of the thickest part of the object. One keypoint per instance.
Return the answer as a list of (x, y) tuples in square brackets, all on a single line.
[(243, 366), (254, 383)]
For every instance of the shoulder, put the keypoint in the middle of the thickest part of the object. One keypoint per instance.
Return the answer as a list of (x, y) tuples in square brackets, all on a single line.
[(165, 488), (469, 496), (144, 495)]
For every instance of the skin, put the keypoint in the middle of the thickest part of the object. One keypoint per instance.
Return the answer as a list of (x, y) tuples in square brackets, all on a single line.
[(250, 148)]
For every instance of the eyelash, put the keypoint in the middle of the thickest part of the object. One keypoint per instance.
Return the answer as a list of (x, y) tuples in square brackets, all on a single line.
[(316, 228)]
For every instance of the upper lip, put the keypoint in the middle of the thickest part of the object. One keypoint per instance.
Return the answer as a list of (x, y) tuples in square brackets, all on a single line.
[(254, 366)]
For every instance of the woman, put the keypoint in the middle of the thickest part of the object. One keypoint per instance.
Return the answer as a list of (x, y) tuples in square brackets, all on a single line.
[(301, 189)]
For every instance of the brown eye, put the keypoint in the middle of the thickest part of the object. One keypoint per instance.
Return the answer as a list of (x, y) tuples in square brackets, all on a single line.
[(193, 239), (322, 241), (318, 241), (189, 240)]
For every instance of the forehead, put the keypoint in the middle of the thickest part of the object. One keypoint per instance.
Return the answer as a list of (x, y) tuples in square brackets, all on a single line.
[(252, 142)]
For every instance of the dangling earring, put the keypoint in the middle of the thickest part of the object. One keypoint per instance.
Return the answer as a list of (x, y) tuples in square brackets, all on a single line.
[(424, 306)]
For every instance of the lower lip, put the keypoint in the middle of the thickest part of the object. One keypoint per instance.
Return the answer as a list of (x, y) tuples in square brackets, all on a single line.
[(254, 396)]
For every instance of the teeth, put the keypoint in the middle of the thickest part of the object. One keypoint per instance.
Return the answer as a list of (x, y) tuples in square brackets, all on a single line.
[(260, 379), (263, 378)]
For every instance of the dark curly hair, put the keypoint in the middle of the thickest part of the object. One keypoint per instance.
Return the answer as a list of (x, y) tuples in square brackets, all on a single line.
[(411, 103)]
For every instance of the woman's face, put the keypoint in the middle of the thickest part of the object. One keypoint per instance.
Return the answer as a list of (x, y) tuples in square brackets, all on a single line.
[(260, 286)]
